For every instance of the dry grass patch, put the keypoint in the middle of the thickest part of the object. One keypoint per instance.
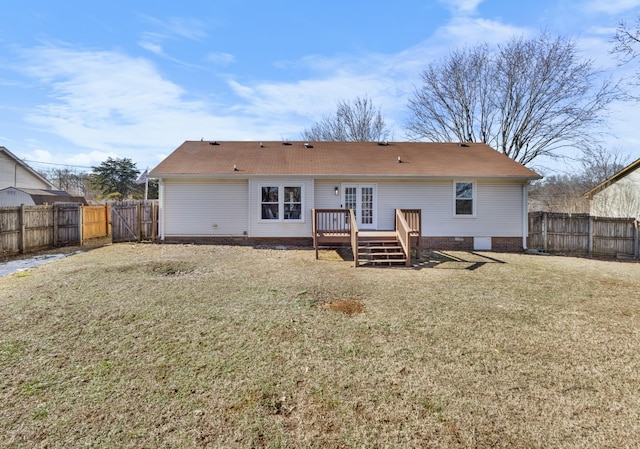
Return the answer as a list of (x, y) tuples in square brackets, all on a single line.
[(346, 306), (215, 346)]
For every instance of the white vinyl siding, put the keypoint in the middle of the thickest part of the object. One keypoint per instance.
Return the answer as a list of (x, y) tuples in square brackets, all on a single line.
[(15, 175), (498, 206), (11, 197), (205, 208), (621, 199)]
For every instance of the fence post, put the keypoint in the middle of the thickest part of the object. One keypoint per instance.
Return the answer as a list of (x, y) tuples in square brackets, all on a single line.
[(107, 221), (55, 224), (544, 232), (23, 228), (81, 224), (636, 243), (140, 221), (590, 237)]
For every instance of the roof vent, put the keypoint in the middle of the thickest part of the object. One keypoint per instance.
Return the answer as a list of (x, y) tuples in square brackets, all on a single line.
[(383, 144), (308, 145), (214, 143), (286, 143), (235, 167), (261, 145), (463, 144), (399, 160)]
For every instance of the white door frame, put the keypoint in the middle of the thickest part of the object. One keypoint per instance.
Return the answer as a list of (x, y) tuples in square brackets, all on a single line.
[(359, 203)]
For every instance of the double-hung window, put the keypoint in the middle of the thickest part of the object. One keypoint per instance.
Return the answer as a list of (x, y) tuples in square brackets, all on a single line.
[(464, 198), (281, 202)]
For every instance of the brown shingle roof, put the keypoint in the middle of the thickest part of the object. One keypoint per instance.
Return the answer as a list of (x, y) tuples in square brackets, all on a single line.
[(419, 159)]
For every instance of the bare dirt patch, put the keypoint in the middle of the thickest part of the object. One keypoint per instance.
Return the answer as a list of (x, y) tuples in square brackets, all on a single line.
[(346, 306), (140, 345)]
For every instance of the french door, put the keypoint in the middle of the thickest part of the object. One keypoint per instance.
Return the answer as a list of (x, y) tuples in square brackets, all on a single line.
[(362, 199)]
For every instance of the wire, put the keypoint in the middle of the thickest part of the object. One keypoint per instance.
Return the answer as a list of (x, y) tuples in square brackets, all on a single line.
[(60, 165)]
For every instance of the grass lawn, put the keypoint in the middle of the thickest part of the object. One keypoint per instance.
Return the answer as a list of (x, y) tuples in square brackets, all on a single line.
[(181, 346)]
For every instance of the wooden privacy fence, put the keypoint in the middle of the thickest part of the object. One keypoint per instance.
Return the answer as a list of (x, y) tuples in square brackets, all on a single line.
[(27, 228), (583, 234), (134, 221)]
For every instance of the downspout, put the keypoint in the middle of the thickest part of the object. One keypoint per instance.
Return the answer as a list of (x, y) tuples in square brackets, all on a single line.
[(525, 214)]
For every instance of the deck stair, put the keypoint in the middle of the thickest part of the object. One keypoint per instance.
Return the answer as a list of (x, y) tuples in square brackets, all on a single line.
[(380, 250)]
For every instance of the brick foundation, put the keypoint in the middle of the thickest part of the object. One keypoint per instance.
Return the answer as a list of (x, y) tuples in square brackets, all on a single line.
[(498, 244), (244, 241)]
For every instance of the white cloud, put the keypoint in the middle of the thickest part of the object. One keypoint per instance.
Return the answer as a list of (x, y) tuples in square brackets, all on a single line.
[(220, 58), (612, 7), (462, 6)]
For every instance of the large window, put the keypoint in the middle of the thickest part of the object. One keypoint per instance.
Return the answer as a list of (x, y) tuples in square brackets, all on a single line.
[(464, 199), (281, 202)]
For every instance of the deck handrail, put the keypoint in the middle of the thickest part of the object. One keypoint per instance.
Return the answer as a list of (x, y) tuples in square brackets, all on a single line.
[(353, 225), (414, 218), (330, 225), (403, 231)]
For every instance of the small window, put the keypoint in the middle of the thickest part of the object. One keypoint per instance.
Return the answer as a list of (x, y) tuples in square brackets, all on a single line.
[(281, 203), (270, 204), (292, 203), (464, 197)]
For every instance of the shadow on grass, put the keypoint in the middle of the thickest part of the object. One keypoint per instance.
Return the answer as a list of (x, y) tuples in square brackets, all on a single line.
[(458, 260)]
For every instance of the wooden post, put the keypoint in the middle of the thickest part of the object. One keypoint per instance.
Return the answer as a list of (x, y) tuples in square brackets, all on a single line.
[(636, 243), (80, 224), (55, 225), (23, 227), (140, 221), (590, 231), (544, 232)]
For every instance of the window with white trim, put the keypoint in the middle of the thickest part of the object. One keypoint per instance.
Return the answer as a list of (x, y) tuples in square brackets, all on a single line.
[(281, 202), (464, 198)]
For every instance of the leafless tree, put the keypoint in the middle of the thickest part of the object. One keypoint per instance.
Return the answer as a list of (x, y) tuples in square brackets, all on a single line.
[(354, 121), (69, 180), (526, 98), (627, 41), (599, 164)]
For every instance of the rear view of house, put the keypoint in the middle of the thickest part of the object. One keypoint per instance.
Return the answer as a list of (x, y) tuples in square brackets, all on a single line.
[(469, 196)]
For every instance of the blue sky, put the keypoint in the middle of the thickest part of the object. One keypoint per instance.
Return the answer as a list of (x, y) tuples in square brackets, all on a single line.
[(82, 81)]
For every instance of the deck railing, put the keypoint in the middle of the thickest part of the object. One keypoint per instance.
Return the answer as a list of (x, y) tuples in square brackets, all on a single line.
[(414, 219), (354, 236), (403, 231), (340, 227)]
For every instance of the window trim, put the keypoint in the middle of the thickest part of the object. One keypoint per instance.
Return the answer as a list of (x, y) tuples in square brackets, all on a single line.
[(281, 202), (472, 199)]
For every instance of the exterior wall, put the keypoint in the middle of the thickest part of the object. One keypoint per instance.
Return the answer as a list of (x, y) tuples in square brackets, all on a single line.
[(15, 175), (621, 199), (204, 207), (281, 228), (499, 206), (11, 197)]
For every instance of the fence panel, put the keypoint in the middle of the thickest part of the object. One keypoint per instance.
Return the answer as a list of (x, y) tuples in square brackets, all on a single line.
[(38, 227), (9, 229), (133, 221), (67, 226), (583, 234), (613, 236), (95, 221)]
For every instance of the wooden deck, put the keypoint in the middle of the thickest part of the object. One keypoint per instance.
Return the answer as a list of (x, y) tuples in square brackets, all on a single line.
[(333, 227)]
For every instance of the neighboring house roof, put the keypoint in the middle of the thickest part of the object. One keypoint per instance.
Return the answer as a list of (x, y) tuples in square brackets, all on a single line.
[(42, 196), (613, 179), (18, 161), (364, 159)]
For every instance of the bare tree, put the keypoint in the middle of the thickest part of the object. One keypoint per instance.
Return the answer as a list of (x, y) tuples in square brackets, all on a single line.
[(527, 98), (627, 41), (69, 180), (599, 164), (354, 121)]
